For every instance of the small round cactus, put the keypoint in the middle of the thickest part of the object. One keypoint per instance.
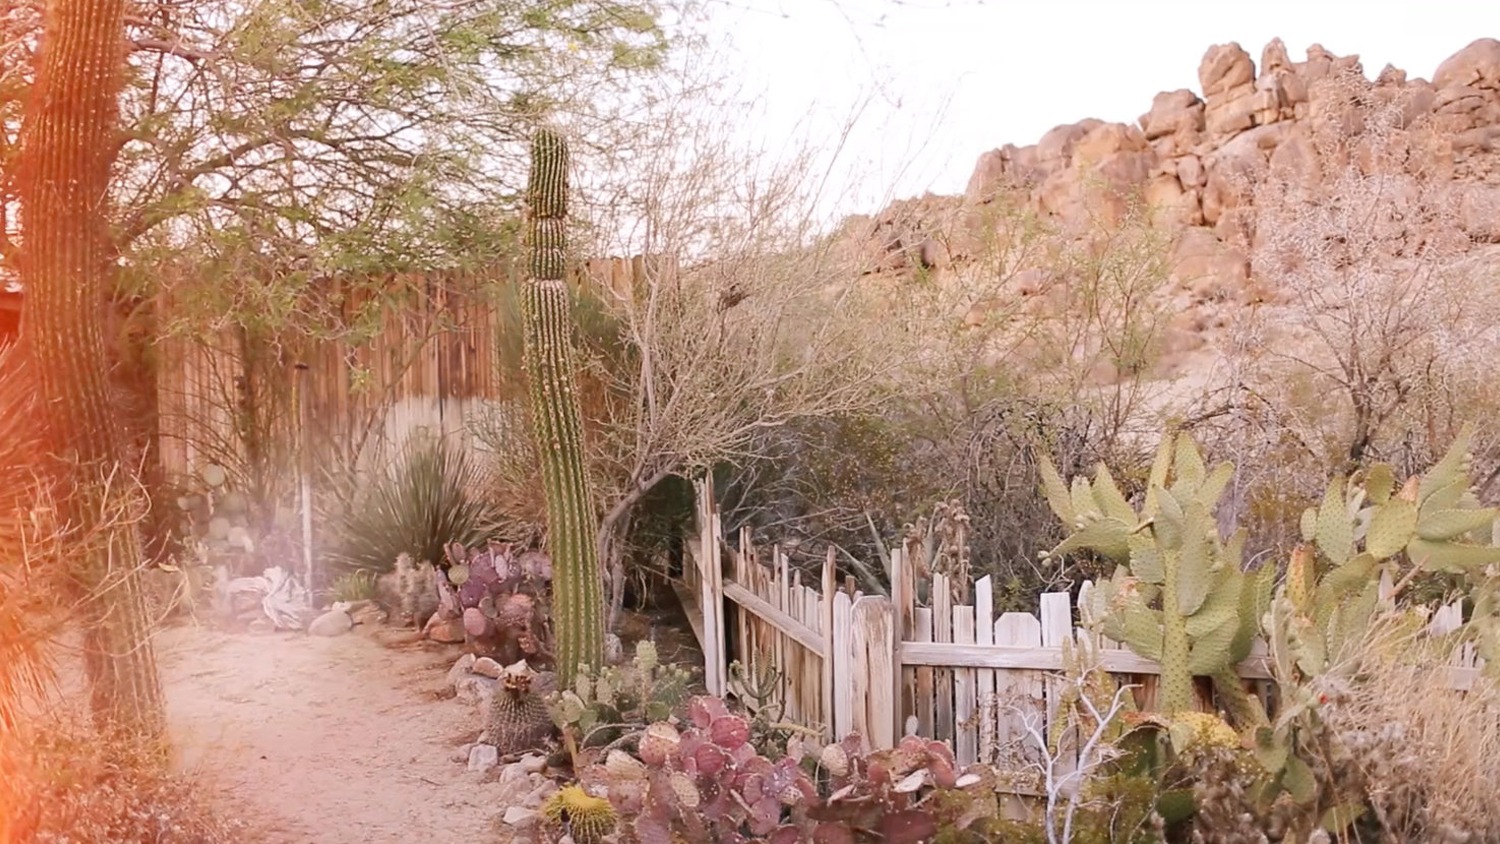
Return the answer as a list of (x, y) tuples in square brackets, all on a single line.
[(587, 818)]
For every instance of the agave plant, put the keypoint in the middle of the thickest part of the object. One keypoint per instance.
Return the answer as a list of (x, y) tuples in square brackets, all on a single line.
[(429, 496)]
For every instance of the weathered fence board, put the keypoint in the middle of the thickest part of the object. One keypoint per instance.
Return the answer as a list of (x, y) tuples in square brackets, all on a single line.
[(883, 666)]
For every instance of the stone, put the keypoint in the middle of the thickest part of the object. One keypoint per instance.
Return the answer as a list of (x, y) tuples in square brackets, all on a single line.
[(1274, 57), (1055, 149), (462, 753), (1224, 68), (483, 757), (486, 667), (1190, 172), (539, 795), (1173, 112), (462, 668), (533, 763), (519, 817), (449, 631), (1477, 65), (1105, 141), (1235, 111), (1479, 212), (335, 622), (513, 777), (475, 690)]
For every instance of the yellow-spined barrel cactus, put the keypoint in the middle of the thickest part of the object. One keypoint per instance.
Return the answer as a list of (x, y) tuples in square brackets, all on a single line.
[(586, 818)]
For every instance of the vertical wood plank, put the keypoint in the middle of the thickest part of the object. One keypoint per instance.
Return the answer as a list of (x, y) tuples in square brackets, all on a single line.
[(984, 690), (873, 629), (843, 665), (966, 730), (942, 678), (1057, 628), (829, 677), (1019, 694), (710, 575), (900, 598), (922, 632)]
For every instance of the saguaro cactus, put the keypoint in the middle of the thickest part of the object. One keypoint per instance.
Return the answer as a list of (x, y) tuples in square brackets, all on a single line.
[(67, 151), (578, 582)]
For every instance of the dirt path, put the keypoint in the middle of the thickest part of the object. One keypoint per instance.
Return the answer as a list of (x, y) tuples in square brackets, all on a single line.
[(326, 741)]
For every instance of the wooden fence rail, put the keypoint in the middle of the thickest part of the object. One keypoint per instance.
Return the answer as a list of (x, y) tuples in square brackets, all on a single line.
[(850, 662)]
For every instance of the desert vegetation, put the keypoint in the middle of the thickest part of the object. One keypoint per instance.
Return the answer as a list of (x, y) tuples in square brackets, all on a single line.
[(337, 354)]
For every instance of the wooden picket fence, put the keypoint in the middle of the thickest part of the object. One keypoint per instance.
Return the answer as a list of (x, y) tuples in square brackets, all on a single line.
[(849, 662)]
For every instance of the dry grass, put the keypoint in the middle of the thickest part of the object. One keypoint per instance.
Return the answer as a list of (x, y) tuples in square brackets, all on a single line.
[(1429, 756), (59, 783)]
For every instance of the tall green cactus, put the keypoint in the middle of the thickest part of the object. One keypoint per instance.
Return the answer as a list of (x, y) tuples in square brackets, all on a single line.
[(1178, 594), (578, 585)]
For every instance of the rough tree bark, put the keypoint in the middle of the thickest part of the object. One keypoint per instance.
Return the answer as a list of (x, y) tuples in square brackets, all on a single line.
[(69, 142), (572, 530)]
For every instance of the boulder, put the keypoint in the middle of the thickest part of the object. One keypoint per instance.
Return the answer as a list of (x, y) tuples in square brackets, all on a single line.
[(1477, 66), (486, 667), (475, 690), (483, 757), (1055, 149), (1173, 112), (449, 631), (335, 622), (1224, 68)]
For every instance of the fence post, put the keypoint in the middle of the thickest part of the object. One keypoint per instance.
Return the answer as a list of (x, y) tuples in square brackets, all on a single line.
[(829, 678), (711, 591), (871, 650), (900, 599)]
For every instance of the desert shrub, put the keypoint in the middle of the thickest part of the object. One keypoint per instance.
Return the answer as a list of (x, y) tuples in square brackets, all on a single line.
[(430, 495), (357, 585), (61, 784)]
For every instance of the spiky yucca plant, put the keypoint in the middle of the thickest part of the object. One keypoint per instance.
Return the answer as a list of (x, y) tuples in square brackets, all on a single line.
[(557, 427), (430, 495)]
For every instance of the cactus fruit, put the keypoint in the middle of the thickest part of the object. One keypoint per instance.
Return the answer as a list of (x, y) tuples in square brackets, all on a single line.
[(578, 596), (1178, 594), (587, 818), (518, 719)]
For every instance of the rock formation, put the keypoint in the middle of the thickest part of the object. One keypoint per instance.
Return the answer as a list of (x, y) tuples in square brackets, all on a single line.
[(1194, 158)]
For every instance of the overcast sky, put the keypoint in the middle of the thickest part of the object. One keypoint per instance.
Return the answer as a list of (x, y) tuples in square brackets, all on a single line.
[(945, 80)]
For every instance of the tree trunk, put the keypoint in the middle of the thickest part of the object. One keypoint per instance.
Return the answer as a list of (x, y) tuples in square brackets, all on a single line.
[(557, 426), (67, 152)]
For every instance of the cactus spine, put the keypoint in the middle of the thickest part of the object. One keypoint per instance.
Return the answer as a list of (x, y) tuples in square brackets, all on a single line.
[(578, 588)]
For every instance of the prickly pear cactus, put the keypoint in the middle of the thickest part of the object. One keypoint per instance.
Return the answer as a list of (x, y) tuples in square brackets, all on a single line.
[(1366, 527), (1178, 595)]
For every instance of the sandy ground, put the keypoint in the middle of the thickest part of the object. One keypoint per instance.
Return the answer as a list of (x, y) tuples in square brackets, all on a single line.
[(326, 741)]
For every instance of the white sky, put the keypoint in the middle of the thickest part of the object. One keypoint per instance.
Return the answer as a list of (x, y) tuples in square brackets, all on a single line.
[(949, 79)]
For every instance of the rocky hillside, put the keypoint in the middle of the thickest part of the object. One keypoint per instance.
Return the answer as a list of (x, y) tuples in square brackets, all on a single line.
[(1195, 159)]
